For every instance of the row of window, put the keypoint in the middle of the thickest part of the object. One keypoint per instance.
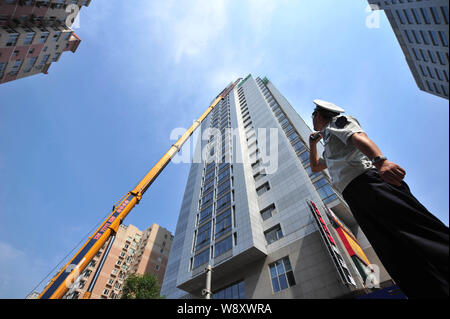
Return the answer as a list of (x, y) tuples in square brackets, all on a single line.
[(429, 37), (30, 36), (28, 65), (214, 251), (440, 74), (281, 276), (322, 186), (437, 88), (436, 15), (217, 196), (275, 233), (429, 55), (222, 223), (220, 119)]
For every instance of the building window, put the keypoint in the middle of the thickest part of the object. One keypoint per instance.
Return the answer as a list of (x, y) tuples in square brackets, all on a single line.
[(304, 157), (201, 259), (29, 38), (222, 176), (408, 16), (325, 191), (281, 274), (293, 136), (205, 214), (31, 62), (259, 175), (417, 56), (425, 15), (439, 74), (441, 57), (311, 174), (299, 147), (223, 201), (433, 36), (424, 73), (444, 90), (207, 198), (56, 56), (408, 36), (223, 223), (267, 212), (444, 10), (435, 15), (209, 176), (44, 37), (223, 246), (425, 38), (235, 291), (224, 187), (263, 188), (444, 39), (203, 236), (16, 66), (273, 234), (400, 17), (416, 16), (429, 72), (416, 36), (208, 186)]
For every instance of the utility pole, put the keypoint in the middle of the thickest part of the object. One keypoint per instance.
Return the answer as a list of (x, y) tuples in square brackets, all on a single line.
[(207, 292)]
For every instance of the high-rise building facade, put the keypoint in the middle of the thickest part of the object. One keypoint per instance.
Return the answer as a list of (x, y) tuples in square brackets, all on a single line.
[(421, 28), (255, 212), (132, 252), (34, 34)]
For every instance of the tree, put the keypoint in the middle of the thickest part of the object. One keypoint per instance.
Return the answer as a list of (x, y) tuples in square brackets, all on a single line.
[(141, 287)]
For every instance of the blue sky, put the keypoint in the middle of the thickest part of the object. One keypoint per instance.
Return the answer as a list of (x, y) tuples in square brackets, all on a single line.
[(76, 140)]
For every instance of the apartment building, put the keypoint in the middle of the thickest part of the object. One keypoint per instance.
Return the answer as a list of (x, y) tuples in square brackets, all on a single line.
[(34, 34), (131, 251), (421, 28)]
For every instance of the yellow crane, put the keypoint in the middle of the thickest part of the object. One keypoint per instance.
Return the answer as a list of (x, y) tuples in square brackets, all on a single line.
[(66, 276)]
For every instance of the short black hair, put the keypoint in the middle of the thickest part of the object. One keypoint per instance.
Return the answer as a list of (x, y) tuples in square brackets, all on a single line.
[(327, 115)]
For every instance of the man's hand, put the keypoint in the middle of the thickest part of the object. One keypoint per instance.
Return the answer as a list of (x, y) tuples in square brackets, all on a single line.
[(312, 141), (317, 164), (391, 172)]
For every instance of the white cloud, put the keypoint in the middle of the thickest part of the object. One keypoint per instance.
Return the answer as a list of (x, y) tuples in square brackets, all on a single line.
[(19, 272), (261, 12), (190, 26), (8, 252), (11, 259)]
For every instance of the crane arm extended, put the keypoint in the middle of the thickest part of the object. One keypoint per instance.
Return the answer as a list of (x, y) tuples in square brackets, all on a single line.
[(62, 281)]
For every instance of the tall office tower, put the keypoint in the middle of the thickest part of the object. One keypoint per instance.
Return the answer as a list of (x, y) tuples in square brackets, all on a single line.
[(132, 252), (421, 28), (253, 210), (34, 34)]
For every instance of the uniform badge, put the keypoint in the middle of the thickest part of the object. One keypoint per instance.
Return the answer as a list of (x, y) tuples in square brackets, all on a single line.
[(341, 122)]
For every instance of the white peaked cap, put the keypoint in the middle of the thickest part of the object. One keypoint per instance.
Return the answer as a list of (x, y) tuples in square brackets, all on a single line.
[(329, 106)]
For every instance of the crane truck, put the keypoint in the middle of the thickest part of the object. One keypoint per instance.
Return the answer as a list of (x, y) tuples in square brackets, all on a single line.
[(66, 276)]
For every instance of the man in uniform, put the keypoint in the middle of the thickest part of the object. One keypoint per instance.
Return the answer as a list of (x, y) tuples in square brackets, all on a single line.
[(412, 244)]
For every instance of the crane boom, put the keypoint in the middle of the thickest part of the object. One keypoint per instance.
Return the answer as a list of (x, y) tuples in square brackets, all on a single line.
[(67, 275)]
